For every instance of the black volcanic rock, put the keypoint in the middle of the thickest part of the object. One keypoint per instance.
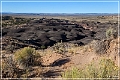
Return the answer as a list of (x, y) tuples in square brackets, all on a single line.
[(47, 32), (4, 31)]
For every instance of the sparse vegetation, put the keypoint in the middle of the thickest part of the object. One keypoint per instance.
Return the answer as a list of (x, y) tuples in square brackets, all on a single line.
[(105, 69), (61, 47), (82, 39), (12, 21), (9, 68), (24, 57), (111, 33), (74, 73), (20, 65)]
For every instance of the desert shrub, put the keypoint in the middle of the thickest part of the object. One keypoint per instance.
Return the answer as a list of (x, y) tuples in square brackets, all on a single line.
[(111, 33), (73, 73), (61, 47), (37, 59), (25, 56), (100, 46), (9, 68), (105, 69)]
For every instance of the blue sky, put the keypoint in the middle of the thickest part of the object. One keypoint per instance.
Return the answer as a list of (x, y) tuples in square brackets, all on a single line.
[(60, 7)]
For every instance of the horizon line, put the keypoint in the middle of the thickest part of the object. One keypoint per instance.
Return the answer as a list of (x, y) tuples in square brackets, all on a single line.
[(61, 1), (61, 13)]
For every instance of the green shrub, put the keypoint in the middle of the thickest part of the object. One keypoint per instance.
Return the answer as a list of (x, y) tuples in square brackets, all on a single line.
[(25, 56), (111, 33), (74, 73), (61, 47), (105, 69)]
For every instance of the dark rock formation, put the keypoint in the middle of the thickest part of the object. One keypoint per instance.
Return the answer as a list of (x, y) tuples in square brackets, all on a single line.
[(47, 32)]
